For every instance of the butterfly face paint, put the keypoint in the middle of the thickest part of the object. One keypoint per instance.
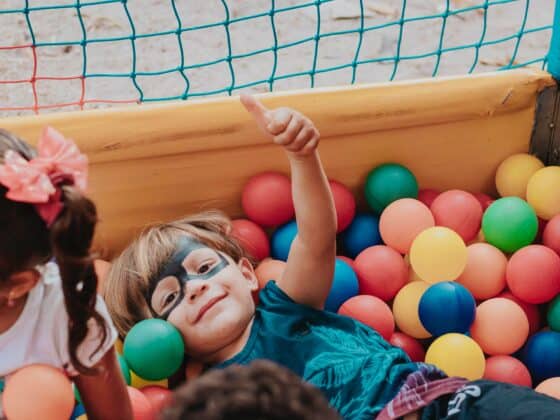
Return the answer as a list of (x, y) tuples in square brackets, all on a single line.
[(167, 289)]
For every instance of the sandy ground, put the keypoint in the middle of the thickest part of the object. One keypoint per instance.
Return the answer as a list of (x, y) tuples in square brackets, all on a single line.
[(162, 53)]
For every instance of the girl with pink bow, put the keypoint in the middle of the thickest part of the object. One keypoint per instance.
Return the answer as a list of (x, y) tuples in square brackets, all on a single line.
[(49, 309)]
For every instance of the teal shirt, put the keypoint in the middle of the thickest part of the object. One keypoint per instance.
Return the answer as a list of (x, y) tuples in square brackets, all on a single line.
[(354, 367)]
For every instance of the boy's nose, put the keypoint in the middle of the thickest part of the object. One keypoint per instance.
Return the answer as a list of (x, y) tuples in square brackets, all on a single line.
[(194, 291)]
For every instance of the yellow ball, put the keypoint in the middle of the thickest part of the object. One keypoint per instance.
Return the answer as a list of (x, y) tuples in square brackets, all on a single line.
[(119, 346), (405, 309), (513, 174), (82, 417), (457, 355), (438, 254), (543, 192), (139, 383)]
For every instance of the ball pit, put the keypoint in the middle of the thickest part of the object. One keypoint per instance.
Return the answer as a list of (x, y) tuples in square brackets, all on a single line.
[(268, 270), (344, 203), (387, 183), (457, 355), (252, 237), (541, 355), (282, 239), (158, 397), (427, 196), (514, 173), (531, 311), (142, 409), (550, 387), (553, 314), (372, 311), (362, 233), (405, 309), (459, 211), (409, 345), (507, 369), (551, 234), (543, 193), (267, 199), (344, 286)]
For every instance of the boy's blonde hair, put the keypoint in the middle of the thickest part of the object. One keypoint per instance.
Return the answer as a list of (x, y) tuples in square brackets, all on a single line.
[(129, 278)]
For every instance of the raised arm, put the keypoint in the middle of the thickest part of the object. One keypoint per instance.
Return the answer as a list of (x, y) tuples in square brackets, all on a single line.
[(310, 266)]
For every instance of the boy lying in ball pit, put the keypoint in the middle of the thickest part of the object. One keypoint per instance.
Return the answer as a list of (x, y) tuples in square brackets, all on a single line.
[(194, 275)]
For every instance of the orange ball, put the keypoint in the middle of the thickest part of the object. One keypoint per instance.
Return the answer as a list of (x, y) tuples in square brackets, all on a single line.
[(38, 392), (381, 272), (252, 238), (402, 221), (141, 407), (268, 270), (507, 369), (411, 346), (550, 387), (459, 211), (532, 311), (485, 272), (372, 311), (551, 234), (344, 203), (158, 397), (500, 326)]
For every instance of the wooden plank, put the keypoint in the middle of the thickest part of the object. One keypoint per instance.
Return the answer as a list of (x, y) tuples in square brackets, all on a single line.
[(545, 139)]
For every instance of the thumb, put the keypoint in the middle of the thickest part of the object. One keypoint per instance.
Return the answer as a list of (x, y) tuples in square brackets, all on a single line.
[(259, 112)]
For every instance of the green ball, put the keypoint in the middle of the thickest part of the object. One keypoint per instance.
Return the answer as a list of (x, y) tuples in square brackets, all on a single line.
[(553, 315), (509, 224), (387, 183), (154, 349), (77, 395), (124, 369)]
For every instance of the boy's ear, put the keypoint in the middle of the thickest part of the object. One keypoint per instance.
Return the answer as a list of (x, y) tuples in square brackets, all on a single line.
[(249, 273), (21, 283)]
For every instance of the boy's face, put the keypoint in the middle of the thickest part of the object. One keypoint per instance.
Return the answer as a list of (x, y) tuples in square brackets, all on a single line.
[(205, 295)]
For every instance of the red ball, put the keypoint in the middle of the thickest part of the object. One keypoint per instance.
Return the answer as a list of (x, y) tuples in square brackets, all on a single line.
[(347, 260), (427, 196), (381, 271), (484, 199), (460, 211), (410, 345), (251, 237), (532, 311), (533, 274), (344, 204), (158, 397), (507, 369), (372, 311), (141, 407), (551, 234), (267, 199)]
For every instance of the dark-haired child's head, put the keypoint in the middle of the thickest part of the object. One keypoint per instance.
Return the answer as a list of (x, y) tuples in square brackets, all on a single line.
[(260, 391)]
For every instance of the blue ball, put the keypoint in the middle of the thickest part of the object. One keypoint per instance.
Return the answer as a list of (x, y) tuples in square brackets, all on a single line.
[(541, 355), (362, 233), (344, 286), (282, 239), (447, 307), (1, 385), (79, 410)]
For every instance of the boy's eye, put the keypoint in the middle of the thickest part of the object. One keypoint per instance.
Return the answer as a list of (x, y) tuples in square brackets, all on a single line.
[(170, 298), (205, 267)]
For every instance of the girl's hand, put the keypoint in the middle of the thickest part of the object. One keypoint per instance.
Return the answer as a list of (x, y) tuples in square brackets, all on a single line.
[(286, 126)]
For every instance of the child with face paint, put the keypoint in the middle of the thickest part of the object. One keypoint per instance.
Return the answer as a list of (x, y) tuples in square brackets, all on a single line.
[(192, 273)]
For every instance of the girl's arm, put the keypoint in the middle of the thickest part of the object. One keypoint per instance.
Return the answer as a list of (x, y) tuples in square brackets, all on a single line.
[(104, 393), (309, 271)]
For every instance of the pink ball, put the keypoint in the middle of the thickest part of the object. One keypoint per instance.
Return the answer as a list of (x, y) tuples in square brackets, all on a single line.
[(158, 397), (427, 196), (372, 311), (267, 199), (507, 369), (484, 199), (344, 203), (411, 346), (347, 260), (533, 274), (141, 407), (551, 234), (251, 237), (381, 272), (460, 211), (550, 387), (532, 311), (402, 221)]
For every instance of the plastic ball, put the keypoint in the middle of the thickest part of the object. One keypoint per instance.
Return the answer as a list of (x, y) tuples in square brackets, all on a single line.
[(347, 260), (119, 346), (510, 224), (139, 383), (78, 413), (427, 196), (411, 346), (457, 355), (157, 396), (484, 199), (141, 407), (402, 221), (500, 326), (553, 314), (550, 387), (533, 274), (485, 272), (381, 272), (267, 199), (438, 254), (387, 183), (251, 237), (446, 307), (405, 309), (125, 370), (344, 286), (154, 349), (543, 193), (362, 233), (541, 355), (460, 211), (371, 311), (282, 239), (507, 369), (269, 269), (38, 392), (532, 311), (514, 173), (551, 234), (344, 203)]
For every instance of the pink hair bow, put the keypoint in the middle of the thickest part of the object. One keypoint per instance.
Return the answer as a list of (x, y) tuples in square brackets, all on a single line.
[(36, 181)]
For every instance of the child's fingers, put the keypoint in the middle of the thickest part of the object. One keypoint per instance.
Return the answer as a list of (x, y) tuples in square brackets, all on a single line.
[(294, 127), (304, 136), (259, 112), (279, 120)]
